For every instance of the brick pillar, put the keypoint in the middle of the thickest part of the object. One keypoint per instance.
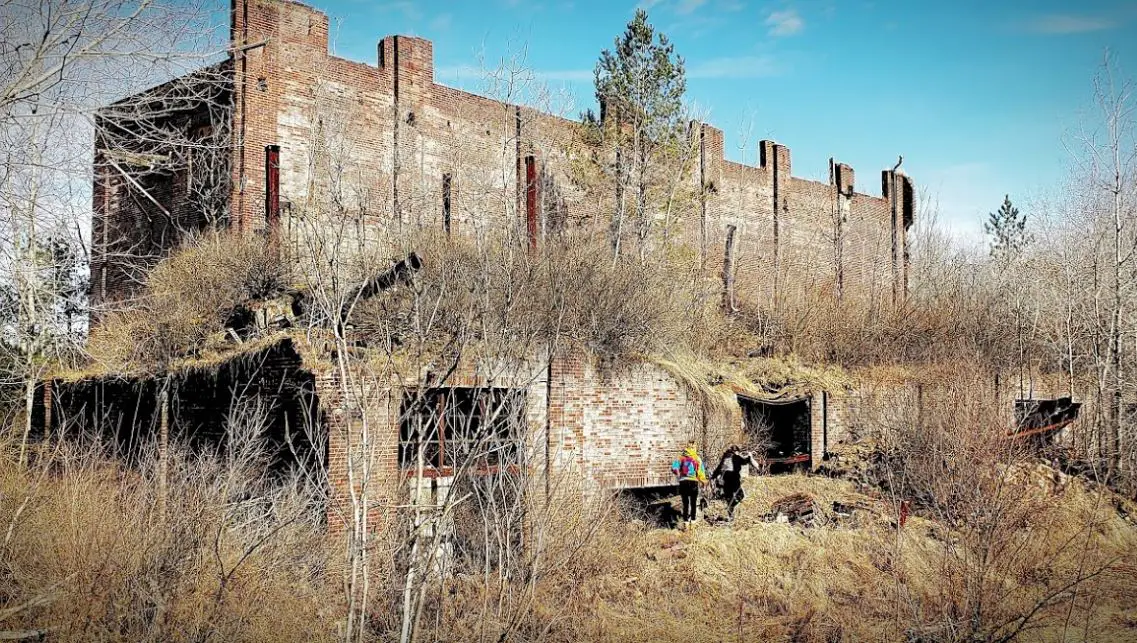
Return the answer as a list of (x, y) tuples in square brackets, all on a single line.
[(343, 423), (270, 40), (844, 185), (776, 159), (818, 429), (907, 218), (102, 190), (411, 64), (898, 191)]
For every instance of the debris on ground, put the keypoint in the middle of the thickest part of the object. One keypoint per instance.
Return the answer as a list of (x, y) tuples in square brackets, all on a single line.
[(796, 509), (859, 463)]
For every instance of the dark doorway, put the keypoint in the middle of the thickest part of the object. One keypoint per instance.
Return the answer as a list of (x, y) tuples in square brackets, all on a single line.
[(781, 429), (1040, 419)]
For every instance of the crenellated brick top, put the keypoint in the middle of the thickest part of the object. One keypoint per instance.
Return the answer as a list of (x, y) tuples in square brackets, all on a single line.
[(406, 140)]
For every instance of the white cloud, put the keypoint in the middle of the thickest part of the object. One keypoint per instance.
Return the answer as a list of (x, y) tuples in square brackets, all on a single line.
[(687, 6), (784, 23), (1069, 23), (735, 67), (442, 22)]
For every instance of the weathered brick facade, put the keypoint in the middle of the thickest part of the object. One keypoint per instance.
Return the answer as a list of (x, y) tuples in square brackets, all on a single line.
[(384, 145), (389, 145)]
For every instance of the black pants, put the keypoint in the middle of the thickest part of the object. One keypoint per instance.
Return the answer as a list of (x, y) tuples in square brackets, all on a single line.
[(732, 490), (689, 491)]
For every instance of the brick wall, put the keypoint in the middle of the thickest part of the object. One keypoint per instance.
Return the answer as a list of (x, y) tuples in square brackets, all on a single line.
[(856, 412), (598, 429), (370, 144), (623, 428), (148, 194)]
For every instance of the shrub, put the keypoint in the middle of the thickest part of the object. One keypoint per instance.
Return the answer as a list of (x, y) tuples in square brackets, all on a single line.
[(187, 298), (495, 296), (94, 551)]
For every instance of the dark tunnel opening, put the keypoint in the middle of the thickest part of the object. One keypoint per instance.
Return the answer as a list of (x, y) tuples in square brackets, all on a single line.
[(779, 429)]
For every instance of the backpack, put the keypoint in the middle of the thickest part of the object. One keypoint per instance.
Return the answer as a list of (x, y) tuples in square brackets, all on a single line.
[(688, 467)]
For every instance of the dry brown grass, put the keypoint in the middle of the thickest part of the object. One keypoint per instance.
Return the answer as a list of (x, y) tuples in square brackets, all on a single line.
[(90, 554), (858, 579), (953, 325), (497, 298), (93, 555), (186, 300)]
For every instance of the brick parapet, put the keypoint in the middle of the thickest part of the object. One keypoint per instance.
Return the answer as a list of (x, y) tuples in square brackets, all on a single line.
[(399, 133)]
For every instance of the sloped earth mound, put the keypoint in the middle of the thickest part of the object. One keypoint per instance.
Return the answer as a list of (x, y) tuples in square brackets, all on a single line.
[(847, 572), (818, 558)]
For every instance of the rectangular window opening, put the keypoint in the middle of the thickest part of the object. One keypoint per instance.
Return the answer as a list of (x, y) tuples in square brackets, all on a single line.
[(446, 186), (446, 428)]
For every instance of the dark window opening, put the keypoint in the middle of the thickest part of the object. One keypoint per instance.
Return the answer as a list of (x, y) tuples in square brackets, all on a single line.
[(779, 428), (448, 428), (532, 200), (1041, 419), (652, 505), (265, 404), (909, 203), (446, 203), (272, 187)]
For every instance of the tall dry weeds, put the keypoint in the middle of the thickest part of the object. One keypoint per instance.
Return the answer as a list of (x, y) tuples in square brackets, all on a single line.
[(187, 300), (93, 551)]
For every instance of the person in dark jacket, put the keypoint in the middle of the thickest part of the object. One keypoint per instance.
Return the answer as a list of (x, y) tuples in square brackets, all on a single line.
[(730, 469)]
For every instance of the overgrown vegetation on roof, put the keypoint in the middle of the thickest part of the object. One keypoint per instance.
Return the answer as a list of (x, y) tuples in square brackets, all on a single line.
[(187, 302)]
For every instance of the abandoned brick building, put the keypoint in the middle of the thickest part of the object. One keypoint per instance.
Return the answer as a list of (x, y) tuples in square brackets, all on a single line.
[(410, 151), (415, 151)]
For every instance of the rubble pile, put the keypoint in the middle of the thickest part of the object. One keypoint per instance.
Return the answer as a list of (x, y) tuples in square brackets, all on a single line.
[(797, 509)]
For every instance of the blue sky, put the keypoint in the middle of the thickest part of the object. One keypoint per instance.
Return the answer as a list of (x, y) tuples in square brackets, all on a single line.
[(977, 95)]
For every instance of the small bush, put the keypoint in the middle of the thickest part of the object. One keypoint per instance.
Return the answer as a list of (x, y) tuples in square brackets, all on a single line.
[(188, 297)]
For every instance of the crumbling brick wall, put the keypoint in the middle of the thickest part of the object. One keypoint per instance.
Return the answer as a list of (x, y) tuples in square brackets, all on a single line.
[(383, 143), (161, 157), (380, 145)]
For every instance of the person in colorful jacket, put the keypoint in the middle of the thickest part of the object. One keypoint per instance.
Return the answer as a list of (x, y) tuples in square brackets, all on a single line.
[(691, 475)]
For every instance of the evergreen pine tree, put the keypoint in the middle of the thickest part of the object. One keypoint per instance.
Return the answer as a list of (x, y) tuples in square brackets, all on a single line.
[(1007, 229), (639, 85)]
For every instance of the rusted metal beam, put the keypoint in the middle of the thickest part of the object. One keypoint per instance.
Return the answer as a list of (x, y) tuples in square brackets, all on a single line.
[(1052, 428)]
